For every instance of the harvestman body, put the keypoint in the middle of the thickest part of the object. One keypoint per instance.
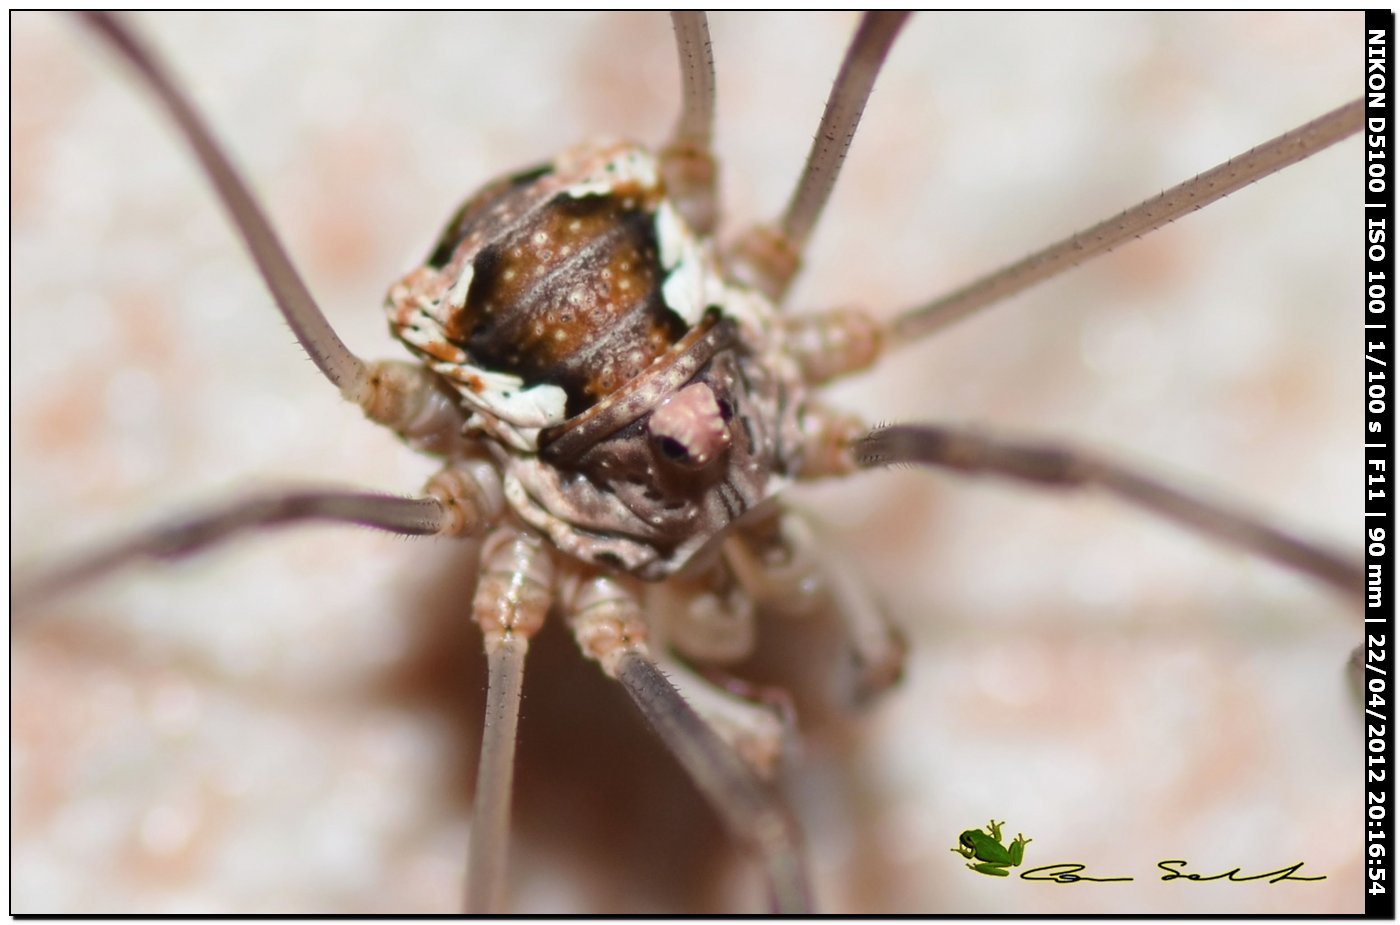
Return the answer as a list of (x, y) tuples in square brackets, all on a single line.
[(686, 422)]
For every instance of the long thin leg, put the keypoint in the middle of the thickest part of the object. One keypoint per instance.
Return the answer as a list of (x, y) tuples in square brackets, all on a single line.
[(767, 258), (1056, 466), (697, 78), (495, 775), (687, 162), (195, 532), (345, 370), (512, 599), (459, 501), (1182, 199), (610, 629)]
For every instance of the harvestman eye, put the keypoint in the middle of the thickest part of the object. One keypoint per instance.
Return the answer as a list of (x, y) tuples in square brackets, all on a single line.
[(544, 439)]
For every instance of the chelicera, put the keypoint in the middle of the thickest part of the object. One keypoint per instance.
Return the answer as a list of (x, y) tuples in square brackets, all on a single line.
[(668, 430)]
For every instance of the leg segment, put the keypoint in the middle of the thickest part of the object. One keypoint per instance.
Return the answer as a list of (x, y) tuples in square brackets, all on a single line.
[(1141, 219), (832, 344), (687, 163), (459, 501), (610, 628), (345, 370), (767, 257), (1057, 466), (512, 599), (837, 343), (750, 810), (415, 403), (192, 533), (753, 730)]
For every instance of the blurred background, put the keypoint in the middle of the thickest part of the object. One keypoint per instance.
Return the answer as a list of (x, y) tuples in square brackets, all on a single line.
[(290, 724)]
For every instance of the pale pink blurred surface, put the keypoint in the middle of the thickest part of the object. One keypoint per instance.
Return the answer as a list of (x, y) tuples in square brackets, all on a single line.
[(276, 727)]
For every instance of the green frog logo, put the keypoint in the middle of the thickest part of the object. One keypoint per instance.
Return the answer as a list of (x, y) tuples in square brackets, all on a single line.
[(986, 852)]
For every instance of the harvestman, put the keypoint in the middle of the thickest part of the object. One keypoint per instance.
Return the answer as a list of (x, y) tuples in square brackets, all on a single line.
[(1339, 574)]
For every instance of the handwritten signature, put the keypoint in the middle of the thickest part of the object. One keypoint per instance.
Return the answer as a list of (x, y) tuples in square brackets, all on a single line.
[(1174, 870)]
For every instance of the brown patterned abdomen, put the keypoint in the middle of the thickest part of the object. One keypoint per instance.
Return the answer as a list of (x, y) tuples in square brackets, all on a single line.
[(570, 296)]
